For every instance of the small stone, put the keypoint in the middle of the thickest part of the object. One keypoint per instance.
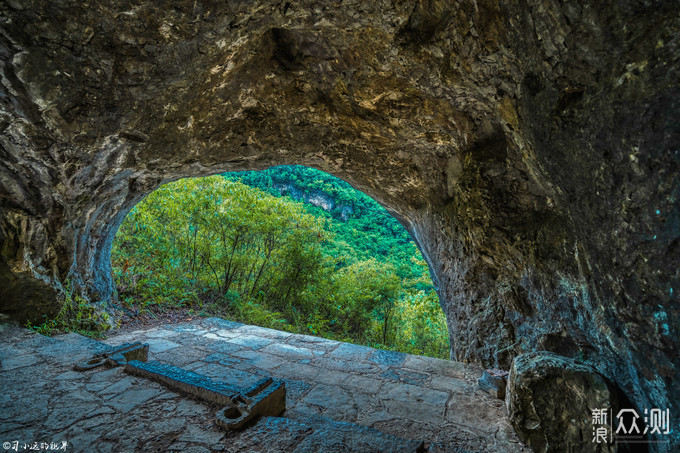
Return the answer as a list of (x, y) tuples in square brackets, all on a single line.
[(295, 390), (494, 383), (101, 410)]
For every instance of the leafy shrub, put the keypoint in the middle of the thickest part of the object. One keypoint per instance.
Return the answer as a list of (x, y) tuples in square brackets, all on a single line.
[(76, 315)]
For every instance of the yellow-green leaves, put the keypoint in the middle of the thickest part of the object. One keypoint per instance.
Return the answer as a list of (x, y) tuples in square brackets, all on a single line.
[(225, 248)]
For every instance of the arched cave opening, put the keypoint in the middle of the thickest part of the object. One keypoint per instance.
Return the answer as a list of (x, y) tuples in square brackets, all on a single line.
[(290, 248), (531, 151)]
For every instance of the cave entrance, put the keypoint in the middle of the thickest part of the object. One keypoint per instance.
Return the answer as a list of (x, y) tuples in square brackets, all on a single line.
[(290, 248)]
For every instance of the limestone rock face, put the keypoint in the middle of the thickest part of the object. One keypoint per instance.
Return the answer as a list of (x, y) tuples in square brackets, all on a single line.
[(531, 148), (550, 400), (316, 198)]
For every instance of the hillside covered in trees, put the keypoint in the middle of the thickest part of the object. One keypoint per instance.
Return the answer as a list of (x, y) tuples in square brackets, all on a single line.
[(290, 248), (361, 228)]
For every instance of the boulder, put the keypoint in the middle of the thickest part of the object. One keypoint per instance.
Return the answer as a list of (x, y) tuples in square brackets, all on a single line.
[(550, 400)]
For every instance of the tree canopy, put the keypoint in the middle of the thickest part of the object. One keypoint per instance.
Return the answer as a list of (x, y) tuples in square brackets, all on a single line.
[(246, 252)]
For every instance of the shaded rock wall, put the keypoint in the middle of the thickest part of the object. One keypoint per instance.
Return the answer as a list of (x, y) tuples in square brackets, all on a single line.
[(531, 147), (549, 423)]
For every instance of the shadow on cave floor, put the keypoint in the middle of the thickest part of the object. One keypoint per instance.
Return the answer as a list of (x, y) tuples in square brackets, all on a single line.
[(340, 396)]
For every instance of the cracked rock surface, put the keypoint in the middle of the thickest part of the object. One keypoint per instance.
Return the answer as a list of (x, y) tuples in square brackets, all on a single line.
[(340, 397), (532, 148)]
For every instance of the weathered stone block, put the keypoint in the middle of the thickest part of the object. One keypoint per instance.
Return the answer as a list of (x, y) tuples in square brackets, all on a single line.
[(494, 382), (550, 400)]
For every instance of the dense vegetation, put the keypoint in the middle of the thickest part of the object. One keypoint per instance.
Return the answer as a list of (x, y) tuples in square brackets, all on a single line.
[(242, 251), (362, 229)]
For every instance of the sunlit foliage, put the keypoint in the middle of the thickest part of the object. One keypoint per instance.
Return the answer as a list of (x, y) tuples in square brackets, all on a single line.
[(221, 247)]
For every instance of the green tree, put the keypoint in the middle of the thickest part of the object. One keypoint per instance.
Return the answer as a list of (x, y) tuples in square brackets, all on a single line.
[(235, 250), (367, 291), (223, 236)]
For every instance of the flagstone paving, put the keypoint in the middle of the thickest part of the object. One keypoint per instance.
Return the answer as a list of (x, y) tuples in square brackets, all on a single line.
[(340, 396)]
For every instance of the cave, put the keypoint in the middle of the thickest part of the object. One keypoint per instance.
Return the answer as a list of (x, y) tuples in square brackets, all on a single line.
[(532, 149)]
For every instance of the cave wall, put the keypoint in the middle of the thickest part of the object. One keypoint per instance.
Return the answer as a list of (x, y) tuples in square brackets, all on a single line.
[(532, 148)]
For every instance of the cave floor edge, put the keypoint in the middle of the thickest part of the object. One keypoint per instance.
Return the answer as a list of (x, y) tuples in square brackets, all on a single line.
[(339, 396)]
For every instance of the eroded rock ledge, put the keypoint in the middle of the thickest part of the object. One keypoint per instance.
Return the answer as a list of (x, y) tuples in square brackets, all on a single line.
[(532, 148)]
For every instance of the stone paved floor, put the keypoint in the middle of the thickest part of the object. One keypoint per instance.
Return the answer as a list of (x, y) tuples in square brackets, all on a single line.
[(340, 397)]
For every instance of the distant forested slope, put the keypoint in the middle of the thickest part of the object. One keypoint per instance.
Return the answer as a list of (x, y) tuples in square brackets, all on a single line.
[(362, 228)]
